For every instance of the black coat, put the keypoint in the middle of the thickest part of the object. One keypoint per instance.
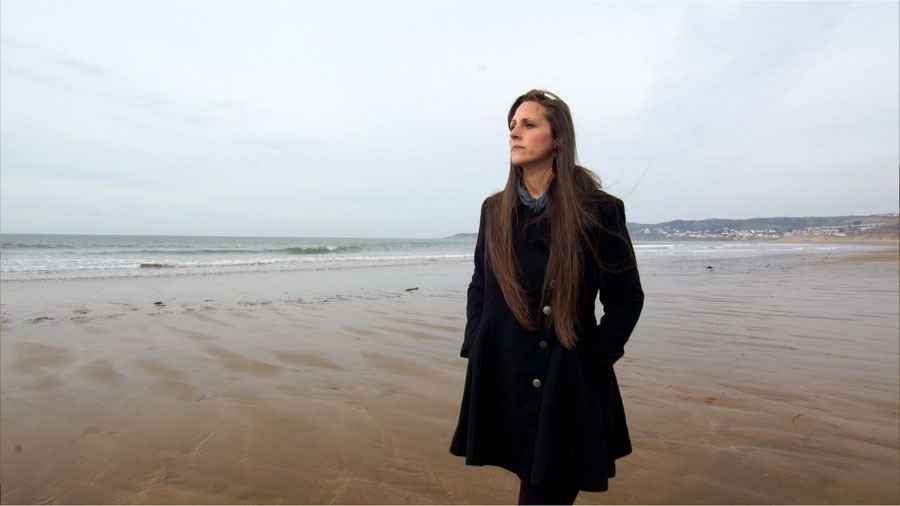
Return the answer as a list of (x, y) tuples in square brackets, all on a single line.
[(548, 414)]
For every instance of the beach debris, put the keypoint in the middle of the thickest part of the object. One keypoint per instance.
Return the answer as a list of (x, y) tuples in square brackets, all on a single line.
[(159, 304), (254, 302), (39, 319), (710, 267), (412, 289), (18, 448)]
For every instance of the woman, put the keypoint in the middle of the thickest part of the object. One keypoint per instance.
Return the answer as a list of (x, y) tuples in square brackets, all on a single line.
[(541, 397)]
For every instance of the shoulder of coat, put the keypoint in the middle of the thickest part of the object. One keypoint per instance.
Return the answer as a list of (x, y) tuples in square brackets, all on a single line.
[(492, 198), (606, 206)]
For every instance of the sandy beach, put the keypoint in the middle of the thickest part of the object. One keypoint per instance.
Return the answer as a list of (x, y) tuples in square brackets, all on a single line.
[(761, 380)]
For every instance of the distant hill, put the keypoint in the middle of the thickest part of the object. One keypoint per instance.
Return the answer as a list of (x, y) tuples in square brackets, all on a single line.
[(875, 226), (866, 227)]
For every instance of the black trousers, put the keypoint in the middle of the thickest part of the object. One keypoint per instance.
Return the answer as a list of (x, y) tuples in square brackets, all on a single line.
[(533, 494)]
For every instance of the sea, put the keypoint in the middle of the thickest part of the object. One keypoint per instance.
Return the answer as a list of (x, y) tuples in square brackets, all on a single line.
[(30, 257)]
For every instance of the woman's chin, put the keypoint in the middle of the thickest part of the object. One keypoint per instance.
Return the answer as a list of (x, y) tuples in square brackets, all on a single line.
[(521, 160)]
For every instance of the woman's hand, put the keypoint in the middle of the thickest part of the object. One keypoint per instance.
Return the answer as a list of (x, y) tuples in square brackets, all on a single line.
[(475, 294), (620, 291)]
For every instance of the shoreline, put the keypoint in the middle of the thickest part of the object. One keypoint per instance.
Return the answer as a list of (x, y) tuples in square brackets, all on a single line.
[(873, 241), (343, 265), (794, 239), (885, 255)]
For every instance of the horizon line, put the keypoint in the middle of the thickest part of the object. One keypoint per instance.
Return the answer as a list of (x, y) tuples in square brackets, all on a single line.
[(892, 214)]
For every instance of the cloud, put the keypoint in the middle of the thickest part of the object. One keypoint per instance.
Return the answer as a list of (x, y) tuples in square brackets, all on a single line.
[(388, 119)]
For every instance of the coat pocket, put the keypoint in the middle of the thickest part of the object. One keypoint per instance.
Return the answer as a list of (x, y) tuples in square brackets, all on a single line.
[(471, 339), (595, 377)]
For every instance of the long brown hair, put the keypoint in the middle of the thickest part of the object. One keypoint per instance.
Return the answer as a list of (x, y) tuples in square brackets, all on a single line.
[(569, 219)]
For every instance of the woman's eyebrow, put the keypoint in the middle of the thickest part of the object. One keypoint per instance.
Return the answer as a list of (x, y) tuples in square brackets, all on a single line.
[(523, 119)]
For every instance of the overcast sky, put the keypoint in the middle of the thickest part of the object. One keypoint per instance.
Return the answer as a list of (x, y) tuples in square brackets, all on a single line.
[(383, 119)]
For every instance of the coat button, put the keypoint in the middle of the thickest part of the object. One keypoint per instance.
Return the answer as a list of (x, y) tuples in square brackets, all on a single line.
[(536, 383), (547, 310), (543, 345)]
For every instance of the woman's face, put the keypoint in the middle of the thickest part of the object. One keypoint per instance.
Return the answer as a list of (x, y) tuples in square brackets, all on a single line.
[(531, 142)]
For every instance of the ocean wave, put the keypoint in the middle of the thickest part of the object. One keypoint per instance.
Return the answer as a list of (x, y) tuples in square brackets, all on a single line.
[(207, 263), (22, 245), (646, 245), (319, 250), (177, 252), (118, 264), (295, 250), (293, 261), (175, 269)]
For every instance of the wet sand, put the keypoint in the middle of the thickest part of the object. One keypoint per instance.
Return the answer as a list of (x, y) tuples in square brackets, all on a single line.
[(764, 380), (882, 239)]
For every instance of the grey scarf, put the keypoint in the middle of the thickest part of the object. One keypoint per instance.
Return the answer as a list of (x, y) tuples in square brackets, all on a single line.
[(535, 204)]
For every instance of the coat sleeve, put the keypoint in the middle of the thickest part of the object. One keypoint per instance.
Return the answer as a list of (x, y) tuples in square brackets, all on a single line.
[(620, 290), (475, 294)]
